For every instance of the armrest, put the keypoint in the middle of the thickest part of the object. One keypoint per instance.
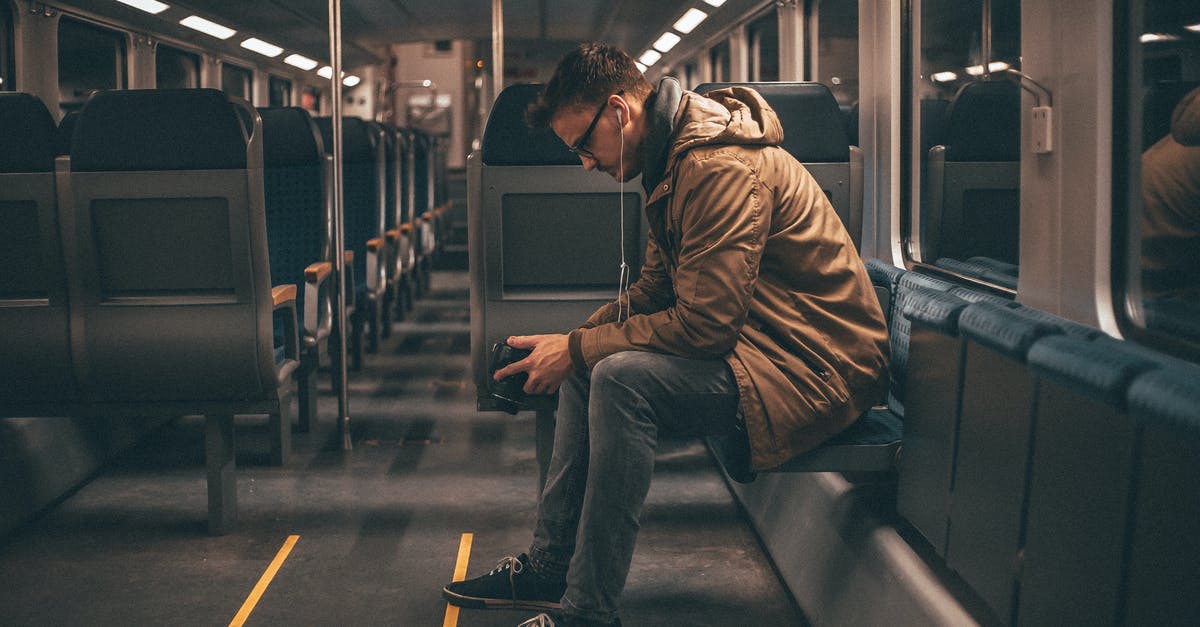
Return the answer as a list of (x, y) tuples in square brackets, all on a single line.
[(283, 299), (393, 234), (376, 268), (317, 309), (317, 273), (349, 256), (406, 228), (281, 295)]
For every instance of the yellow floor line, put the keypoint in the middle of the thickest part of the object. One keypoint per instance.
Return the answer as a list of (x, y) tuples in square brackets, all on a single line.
[(460, 573), (263, 582)]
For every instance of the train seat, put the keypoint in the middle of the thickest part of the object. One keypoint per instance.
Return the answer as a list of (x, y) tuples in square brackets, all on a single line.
[(362, 219), (296, 190), (545, 240), (421, 154), (884, 277), (996, 273), (1070, 568), (34, 338), (390, 250), (974, 178), (990, 462), (167, 225), (815, 134), (1162, 585)]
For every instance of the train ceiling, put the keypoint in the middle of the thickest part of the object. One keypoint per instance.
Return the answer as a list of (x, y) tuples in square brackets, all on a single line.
[(370, 25)]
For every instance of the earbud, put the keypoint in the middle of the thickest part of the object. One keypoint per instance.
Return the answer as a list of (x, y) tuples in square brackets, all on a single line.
[(620, 120)]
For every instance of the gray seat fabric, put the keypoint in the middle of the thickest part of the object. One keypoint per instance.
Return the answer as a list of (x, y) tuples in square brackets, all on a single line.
[(34, 340)]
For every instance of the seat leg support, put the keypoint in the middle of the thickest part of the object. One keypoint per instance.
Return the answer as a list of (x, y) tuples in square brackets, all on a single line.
[(222, 480)]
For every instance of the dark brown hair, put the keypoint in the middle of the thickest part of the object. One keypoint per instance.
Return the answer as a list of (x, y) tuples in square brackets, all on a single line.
[(585, 77)]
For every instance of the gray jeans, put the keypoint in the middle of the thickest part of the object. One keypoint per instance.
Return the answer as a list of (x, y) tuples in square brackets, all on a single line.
[(606, 431)]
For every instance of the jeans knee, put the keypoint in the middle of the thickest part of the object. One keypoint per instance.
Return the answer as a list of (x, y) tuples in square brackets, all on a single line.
[(623, 367)]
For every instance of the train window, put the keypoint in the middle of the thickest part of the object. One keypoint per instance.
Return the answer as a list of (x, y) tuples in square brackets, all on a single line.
[(764, 47), (279, 92), (719, 61), (6, 49), (836, 61), (236, 81), (965, 121), (1158, 172), (176, 69), (89, 58)]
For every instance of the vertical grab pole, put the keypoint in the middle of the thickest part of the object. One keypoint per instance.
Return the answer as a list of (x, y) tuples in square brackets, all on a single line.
[(339, 234), (497, 48)]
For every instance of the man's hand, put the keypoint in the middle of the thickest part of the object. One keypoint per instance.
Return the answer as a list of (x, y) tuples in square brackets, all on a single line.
[(547, 366)]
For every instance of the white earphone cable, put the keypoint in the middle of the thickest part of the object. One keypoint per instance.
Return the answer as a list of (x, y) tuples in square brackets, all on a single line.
[(623, 306)]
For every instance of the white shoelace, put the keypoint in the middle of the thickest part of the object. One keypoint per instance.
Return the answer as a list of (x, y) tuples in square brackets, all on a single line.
[(541, 620)]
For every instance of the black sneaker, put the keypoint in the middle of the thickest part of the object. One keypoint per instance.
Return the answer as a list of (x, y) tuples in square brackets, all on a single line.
[(511, 585)]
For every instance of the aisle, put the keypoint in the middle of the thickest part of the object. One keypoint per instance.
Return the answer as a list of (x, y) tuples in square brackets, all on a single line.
[(379, 528)]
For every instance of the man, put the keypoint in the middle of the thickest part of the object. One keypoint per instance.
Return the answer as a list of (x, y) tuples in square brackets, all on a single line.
[(753, 314)]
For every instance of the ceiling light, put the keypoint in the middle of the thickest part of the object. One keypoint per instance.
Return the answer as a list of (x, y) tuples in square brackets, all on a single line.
[(195, 22), (714, 3), (1195, 28), (975, 70), (666, 42), (351, 81), (301, 62), (325, 72), (997, 66), (690, 20), (262, 47), (1148, 38), (641, 68), (650, 57), (945, 77), (149, 6)]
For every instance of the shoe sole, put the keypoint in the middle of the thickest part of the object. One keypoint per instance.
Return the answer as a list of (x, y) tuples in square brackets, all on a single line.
[(479, 603)]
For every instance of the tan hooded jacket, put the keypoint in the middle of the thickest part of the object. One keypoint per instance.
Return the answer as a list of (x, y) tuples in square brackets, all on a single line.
[(747, 261)]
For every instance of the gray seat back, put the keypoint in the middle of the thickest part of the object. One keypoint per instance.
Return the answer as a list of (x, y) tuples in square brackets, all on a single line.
[(34, 341), (544, 234), (167, 221)]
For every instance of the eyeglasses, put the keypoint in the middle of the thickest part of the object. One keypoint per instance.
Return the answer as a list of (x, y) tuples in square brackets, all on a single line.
[(580, 146)]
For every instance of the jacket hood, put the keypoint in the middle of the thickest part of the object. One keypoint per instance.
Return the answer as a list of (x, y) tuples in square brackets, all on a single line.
[(733, 115), (1185, 121)]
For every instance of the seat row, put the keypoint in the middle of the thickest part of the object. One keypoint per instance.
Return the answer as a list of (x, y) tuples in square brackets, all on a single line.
[(1049, 465), (140, 268)]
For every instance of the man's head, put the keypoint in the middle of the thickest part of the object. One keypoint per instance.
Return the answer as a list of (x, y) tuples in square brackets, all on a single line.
[(594, 103)]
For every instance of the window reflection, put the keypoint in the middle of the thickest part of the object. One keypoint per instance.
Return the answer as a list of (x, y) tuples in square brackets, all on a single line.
[(236, 81), (279, 92), (6, 49), (1166, 237), (176, 69), (967, 119), (89, 58)]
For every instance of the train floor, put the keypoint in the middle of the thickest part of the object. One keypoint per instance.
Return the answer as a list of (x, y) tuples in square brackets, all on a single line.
[(430, 485)]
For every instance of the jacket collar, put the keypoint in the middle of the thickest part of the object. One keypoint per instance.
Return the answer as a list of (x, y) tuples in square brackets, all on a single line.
[(661, 106)]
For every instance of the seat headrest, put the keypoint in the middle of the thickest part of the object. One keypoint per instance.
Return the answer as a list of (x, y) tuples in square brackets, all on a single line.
[(814, 130), (66, 130), (27, 134), (984, 122), (290, 137), (508, 140), (158, 129), (358, 141)]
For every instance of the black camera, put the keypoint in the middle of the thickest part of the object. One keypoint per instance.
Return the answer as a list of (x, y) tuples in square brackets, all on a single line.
[(509, 392)]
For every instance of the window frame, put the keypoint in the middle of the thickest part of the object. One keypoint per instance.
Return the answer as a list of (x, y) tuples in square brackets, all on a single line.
[(8, 61), (1127, 209), (121, 53), (185, 52)]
